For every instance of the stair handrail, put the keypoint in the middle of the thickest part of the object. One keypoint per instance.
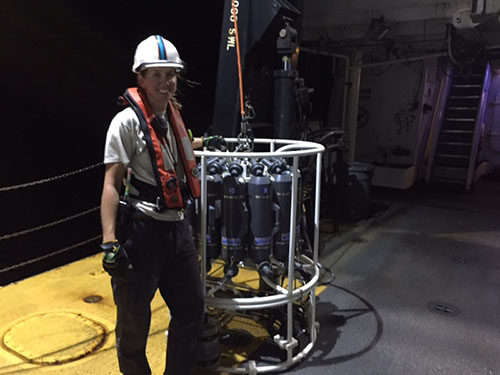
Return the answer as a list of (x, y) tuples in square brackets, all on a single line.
[(437, 121), (478, 128)]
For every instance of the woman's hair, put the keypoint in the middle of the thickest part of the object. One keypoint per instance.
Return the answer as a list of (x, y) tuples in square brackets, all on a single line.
[(183, 85)]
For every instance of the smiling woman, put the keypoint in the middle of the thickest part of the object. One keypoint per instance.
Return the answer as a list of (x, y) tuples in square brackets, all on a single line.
[(148, 142), (160, 85)]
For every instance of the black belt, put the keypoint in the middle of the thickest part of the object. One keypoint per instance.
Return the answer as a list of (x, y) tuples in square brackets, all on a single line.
[(140, 216), (147, 192)]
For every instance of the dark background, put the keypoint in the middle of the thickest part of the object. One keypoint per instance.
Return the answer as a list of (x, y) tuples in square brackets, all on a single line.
[(64, 63)]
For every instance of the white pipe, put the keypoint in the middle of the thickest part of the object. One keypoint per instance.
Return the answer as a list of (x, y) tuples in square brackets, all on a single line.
[(272, 368), (295, 149), (399, 61), (291, 249), (203, 223), (317, 209), (493, 46), (317, 206), (302, 148), (346, 90), (417, 58), (266, 301), (352, 111)]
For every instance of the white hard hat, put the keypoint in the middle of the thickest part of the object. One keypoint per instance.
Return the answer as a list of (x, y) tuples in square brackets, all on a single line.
[(156, 51)]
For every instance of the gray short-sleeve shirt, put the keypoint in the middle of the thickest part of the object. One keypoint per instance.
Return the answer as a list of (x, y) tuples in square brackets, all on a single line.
[(125, 144)]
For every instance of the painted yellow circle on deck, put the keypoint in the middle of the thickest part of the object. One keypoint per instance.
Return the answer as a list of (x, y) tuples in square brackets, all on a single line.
[(54, 338)]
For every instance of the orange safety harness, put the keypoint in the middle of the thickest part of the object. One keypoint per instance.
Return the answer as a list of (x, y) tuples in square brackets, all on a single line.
[(167, 182)]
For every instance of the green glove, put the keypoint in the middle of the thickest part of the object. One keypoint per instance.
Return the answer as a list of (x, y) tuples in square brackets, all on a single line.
[(115, 259), (214, 142)]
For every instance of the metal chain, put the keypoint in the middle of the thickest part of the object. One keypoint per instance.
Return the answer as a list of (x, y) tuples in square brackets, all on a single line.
[(26, 231), (245, 138), (49, 179), (34, 260)]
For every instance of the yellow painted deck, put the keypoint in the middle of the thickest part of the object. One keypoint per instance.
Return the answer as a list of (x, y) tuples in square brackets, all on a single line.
[(45, 320), (62, 322)]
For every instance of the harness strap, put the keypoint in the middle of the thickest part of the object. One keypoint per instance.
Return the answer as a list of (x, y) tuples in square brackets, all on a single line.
[(149, 193), (169, 192)]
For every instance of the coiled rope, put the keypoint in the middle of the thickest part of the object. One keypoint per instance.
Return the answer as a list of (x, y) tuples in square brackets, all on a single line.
[(51, 224)]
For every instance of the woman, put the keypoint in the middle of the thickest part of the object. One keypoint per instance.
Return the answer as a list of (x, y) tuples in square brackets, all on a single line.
[(146, 145)]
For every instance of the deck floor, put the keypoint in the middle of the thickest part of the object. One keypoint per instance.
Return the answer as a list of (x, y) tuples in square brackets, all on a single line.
[(417, 292), (417, 289)]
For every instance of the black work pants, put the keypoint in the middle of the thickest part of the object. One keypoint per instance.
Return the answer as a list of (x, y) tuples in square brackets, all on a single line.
[(163, 257)]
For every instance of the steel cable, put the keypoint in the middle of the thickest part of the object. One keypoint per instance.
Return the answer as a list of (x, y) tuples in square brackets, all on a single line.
[(49, 179), (57, 252), (48, 225)]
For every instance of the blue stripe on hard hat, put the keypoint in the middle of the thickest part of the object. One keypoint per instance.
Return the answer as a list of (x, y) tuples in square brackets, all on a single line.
[(161, 48)]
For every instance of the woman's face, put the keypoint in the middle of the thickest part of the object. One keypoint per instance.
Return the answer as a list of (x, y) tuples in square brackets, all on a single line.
[(160, 85)]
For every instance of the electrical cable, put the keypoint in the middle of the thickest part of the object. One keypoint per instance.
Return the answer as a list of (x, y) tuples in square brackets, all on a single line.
[(228, 275), (274, 286), (328, 281)]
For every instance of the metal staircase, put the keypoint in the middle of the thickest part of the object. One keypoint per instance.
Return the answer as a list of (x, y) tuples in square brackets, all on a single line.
[(454, 154)]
